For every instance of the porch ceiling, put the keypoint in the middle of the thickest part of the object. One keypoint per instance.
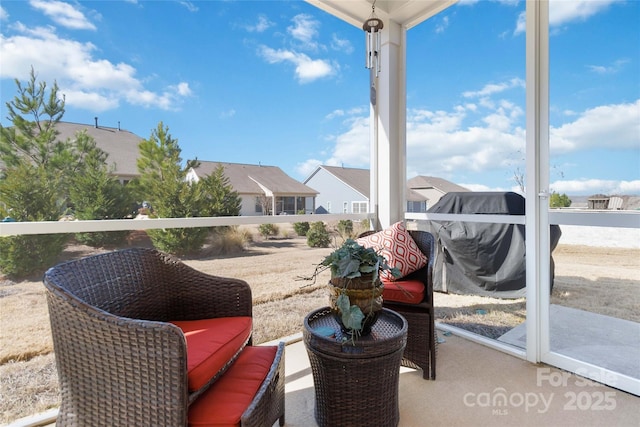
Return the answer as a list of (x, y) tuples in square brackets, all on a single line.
[(407, 13)]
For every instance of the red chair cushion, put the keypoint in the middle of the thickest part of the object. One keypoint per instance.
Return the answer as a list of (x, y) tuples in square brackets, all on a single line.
[(211, 343), (406, 291), (226, 400)]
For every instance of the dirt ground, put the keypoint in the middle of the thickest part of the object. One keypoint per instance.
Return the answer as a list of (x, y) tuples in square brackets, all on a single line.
[(602, 280)]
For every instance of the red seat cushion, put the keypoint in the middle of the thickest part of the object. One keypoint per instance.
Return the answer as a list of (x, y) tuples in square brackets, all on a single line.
[(211, 343), (406, 291), (226, 400)]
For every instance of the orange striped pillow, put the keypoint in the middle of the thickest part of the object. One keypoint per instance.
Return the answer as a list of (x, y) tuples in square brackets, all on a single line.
[(398, 247)]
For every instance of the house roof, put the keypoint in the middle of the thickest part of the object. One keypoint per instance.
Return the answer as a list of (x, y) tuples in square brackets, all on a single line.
[(255, 179), (121, 145), (359, 180), (421, 182)]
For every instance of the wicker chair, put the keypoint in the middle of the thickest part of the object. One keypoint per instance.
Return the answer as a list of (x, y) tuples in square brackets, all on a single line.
[(421, 349), (119, 361)]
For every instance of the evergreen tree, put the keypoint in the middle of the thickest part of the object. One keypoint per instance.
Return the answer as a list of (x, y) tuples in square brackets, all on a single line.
[(95, 193), (163, 182), (31, 185)]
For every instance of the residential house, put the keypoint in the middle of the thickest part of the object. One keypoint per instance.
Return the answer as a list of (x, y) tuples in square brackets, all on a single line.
[(432, 188), (346, 190), (121, 145), (264, 190)]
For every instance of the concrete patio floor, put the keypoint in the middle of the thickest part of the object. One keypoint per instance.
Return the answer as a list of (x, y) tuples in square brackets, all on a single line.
[(471, 380), (475, 386)]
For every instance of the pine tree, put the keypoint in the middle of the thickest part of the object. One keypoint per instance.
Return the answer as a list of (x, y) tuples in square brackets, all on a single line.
[(163, 183), (31, 185), (95, 193)]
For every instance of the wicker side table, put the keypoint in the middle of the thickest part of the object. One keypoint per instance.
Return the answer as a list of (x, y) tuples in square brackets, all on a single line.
[(356, 383)]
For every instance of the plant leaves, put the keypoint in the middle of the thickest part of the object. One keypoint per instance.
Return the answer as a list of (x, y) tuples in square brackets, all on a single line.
[(352, 316)]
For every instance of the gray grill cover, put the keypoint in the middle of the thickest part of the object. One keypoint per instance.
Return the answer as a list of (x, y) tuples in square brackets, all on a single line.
[(480, 258)]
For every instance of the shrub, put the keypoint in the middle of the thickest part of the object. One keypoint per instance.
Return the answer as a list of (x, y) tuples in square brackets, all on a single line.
[(27, 254), (301, 228), (345, 229), (229, 240), (559, 200), (318, 235), (267, 230)]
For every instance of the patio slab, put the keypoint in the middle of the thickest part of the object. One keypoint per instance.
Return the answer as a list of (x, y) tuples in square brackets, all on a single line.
[(478, 386), (603, 341)]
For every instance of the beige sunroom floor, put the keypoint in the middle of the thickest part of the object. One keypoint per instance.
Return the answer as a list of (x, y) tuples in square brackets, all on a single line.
[(469, 377)]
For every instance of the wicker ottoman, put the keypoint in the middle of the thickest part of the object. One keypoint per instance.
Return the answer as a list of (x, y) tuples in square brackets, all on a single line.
[(356, 382)]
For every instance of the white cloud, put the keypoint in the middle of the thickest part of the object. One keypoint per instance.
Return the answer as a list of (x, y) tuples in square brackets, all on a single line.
[(227, 114), (592, 186), (562, 12), (489, 136), (493, 88), (352, 147), (91, 101), (4, 15), (262, 25), (191, 7), (341, 45), (87, 82), (305, 169), (304, 29), (608, 69), (182, 89), (306, 69), (63, 14), (442, 26), (334, 114), (611, 126)]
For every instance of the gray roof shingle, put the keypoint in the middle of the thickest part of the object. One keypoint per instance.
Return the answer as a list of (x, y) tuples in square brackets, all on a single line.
[(247, 179), (121, 145), (423, 182)]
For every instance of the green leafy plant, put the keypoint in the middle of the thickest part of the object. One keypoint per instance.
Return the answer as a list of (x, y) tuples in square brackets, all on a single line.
[(318, 235), (348, 262), (354, 260), (301, 228), (268, 230)]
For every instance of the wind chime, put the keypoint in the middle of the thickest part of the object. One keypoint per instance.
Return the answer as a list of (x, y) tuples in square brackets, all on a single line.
[(372, 27)]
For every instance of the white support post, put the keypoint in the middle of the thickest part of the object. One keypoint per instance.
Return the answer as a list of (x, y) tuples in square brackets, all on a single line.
[(537, 179), (389, 128)]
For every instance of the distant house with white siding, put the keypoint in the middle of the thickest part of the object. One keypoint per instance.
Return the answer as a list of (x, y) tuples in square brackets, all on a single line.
[(347, 190), (432, 188), (264, 190)]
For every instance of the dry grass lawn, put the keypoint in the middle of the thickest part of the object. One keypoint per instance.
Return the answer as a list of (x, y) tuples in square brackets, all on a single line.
[(602, 280)]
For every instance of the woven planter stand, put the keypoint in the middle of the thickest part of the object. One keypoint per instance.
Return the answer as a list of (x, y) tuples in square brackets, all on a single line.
[(363, 292)]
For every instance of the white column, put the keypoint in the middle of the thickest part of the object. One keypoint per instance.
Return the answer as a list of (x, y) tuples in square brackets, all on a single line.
[(388, 128), (537, 179)]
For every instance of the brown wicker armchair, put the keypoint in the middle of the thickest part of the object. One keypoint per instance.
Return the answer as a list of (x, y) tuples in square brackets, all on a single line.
[(119, 361), (420, 352)]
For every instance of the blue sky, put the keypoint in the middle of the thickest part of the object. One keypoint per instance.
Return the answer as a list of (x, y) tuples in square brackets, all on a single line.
[(283, 83)]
